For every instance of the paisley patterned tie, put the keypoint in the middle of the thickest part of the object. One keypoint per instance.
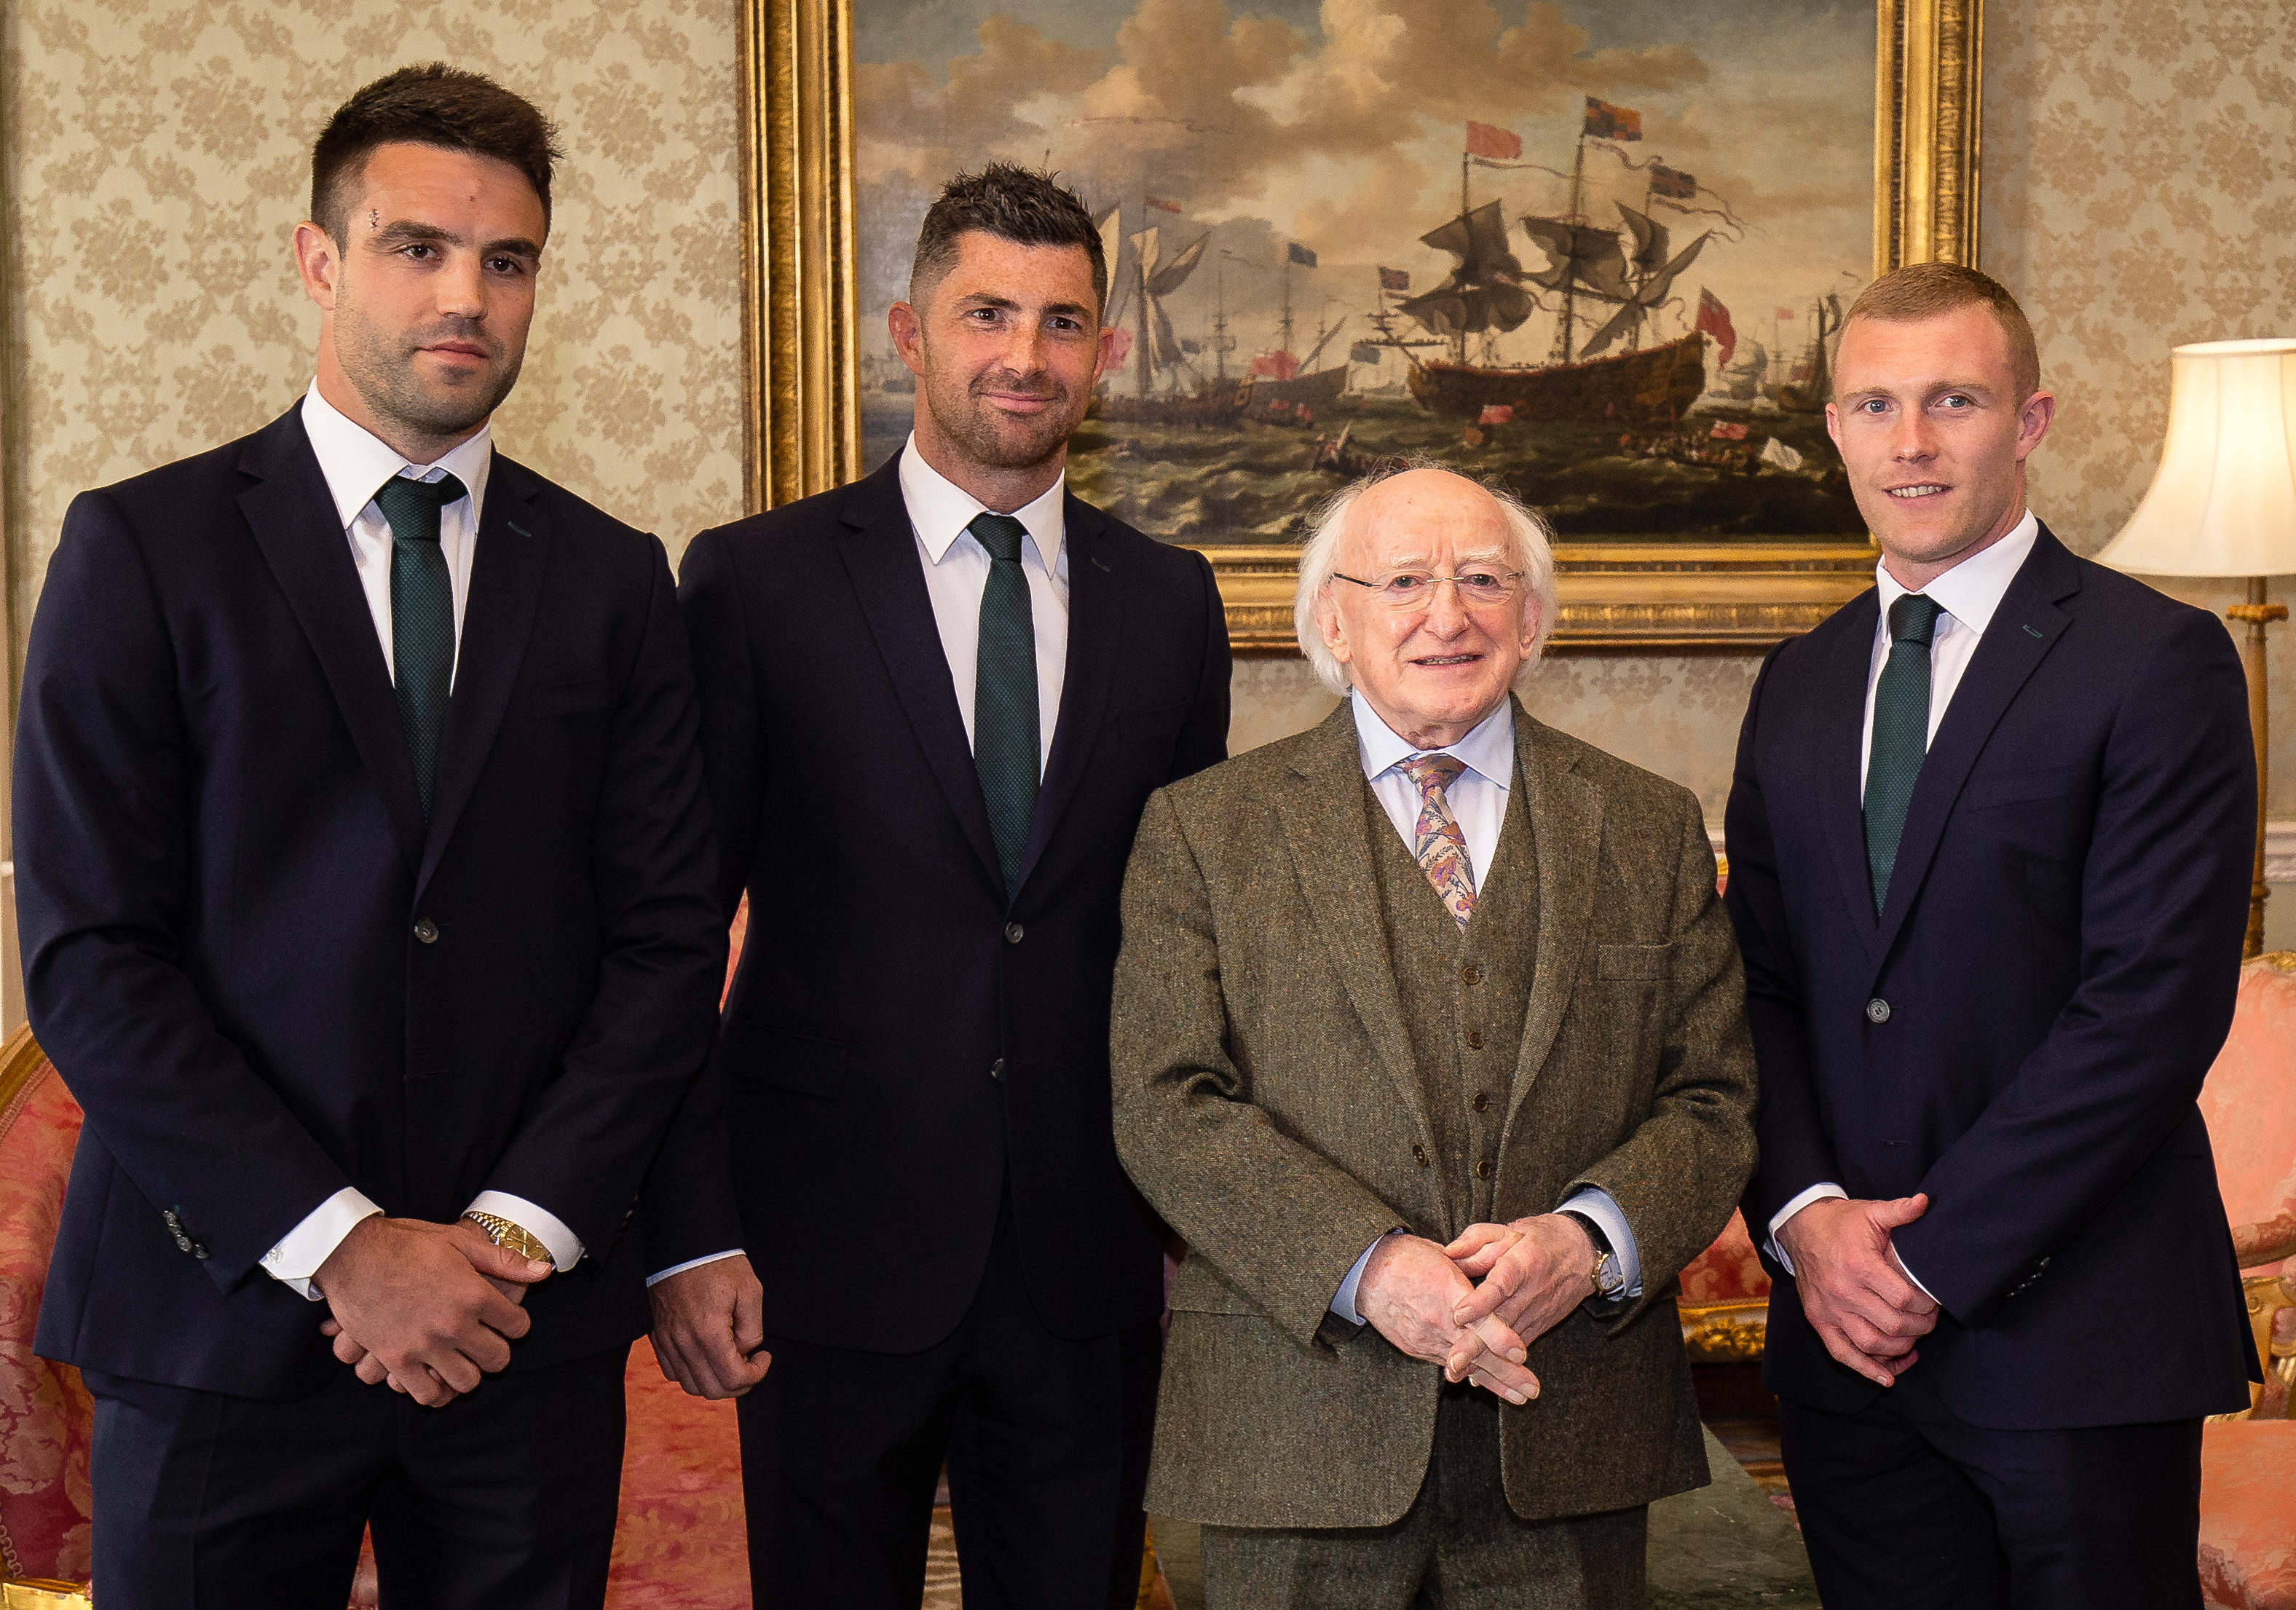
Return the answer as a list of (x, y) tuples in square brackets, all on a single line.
[(1440, 847)]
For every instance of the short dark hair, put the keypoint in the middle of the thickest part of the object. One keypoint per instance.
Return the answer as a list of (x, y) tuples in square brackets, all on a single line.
[(1922, 290), (1016, 204), (432, 104)]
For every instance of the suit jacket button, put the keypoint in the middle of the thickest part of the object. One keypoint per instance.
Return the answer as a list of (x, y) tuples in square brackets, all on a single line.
[(1474, 1039), (1471, 974), (1014, 933), (996, 1069), (427, 931), (1419, 1156), (1483, 1169), (1877, 1010), (1482, 1101)]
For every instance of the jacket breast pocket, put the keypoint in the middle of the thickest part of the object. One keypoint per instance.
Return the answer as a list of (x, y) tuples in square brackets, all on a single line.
[(2025, 787), (592, 697), (796, 1063), (1633, 961)]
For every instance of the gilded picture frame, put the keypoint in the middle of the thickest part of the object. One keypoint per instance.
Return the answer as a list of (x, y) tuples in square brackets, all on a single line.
[(801, 330)]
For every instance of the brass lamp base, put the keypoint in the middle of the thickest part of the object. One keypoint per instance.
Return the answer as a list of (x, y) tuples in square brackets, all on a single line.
[(2257, 615)]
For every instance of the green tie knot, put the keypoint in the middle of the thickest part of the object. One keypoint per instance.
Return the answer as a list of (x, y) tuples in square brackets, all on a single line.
[(1000, 534), (413, 507), (1912, 618)]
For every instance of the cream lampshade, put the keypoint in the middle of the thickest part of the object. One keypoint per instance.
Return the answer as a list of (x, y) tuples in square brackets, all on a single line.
[(2223, 503)]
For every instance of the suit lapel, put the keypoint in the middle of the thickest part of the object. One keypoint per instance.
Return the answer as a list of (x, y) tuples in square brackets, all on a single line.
[(881, 556), (1836, 762), (1565, 813), (2023, 630), (1095, 626), (292, 517), (507, 568), (1326, 829)]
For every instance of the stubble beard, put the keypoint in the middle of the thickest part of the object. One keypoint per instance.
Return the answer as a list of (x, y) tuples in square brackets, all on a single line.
[(1003, 441), (381, 369)]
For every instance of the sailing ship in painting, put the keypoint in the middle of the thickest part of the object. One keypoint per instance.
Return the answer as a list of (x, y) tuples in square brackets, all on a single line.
[(1606, 282), (1604, 285)]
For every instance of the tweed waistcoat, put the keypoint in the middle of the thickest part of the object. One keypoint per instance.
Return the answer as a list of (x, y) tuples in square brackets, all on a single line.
[(1464, 994)]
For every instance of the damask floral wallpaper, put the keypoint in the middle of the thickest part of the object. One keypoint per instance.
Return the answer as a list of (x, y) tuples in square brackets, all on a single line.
[(156, 157), (2139, 189)]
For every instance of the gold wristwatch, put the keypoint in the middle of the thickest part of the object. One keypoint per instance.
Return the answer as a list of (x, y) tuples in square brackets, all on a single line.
[(511, 1237)]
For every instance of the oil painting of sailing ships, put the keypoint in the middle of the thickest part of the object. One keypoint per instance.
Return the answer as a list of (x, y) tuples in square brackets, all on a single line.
[(1604, 263)]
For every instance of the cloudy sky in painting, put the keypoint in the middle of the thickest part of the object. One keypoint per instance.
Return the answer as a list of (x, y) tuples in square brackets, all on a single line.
[(1339, 125)]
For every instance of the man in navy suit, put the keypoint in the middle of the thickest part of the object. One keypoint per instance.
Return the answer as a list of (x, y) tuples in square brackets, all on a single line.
[(1989, 850), (364, 861), (934, 705)]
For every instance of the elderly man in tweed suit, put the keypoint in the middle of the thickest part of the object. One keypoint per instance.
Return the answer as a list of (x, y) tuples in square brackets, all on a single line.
[(1429, 1036)]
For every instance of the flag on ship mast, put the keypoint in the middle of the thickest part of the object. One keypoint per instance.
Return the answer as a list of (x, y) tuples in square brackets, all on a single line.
[(1673, 182), (1496, 144), (1294, 252), (1605, 122), (1714, 320)]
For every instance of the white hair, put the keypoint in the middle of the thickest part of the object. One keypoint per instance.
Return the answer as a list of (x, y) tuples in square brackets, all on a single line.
[(1327, 527)]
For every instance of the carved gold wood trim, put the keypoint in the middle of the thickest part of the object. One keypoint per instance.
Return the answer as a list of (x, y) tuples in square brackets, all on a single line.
[(800, 334), (21, 1059), (1726, 1333), (39, 1593), (801, 414), (1928, 77)]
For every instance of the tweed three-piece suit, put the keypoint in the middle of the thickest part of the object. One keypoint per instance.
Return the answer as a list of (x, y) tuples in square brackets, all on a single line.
[(1309, 1053)]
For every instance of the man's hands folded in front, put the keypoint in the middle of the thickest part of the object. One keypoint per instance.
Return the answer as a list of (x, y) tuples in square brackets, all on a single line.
[(1411, 1294)]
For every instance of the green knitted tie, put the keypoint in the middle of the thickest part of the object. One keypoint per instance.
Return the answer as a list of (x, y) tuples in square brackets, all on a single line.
[(1004, 732), (1901, 735), (422, 616)]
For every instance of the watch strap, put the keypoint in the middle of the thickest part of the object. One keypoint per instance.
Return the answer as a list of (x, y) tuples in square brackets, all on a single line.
[(511, 1237), (1610, 1279)]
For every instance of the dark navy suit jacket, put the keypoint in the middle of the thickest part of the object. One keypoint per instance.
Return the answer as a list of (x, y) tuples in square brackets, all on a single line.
[(901, 1042), (2058, 961), (222, 859)]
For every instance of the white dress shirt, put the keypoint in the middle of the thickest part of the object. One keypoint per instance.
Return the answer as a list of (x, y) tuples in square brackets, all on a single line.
[(1477, 798), (356, 463), (956, 573), (1966, 596)]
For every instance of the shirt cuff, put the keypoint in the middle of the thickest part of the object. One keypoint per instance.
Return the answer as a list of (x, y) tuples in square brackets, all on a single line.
[(1602, 1208), (1817, 1193), (1343, 1303), (545, 1225), (679, 1269), (310, 1243)]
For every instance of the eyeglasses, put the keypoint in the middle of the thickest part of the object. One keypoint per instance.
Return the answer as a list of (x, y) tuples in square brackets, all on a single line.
[(1416, 589)]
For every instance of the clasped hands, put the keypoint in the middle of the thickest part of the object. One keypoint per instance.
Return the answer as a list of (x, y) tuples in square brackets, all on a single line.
[(429, 1307), (1476, 1305), (1854, 1291)]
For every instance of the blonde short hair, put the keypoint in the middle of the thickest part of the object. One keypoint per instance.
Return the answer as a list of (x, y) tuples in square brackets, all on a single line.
[(1922, 290), (1328, 525)]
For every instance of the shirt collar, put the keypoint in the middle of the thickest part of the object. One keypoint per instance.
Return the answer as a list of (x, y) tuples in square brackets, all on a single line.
[(941, 509), (1972, 589), (1488, 752), (355, 462)]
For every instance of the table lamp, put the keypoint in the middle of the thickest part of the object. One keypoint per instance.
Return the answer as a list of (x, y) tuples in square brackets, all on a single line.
[(2223, 503)]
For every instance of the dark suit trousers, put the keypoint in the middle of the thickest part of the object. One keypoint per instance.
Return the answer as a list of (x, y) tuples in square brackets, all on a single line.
[(1906, 1505), (1045, 1438), (1459, 1547), (501, 1500)]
